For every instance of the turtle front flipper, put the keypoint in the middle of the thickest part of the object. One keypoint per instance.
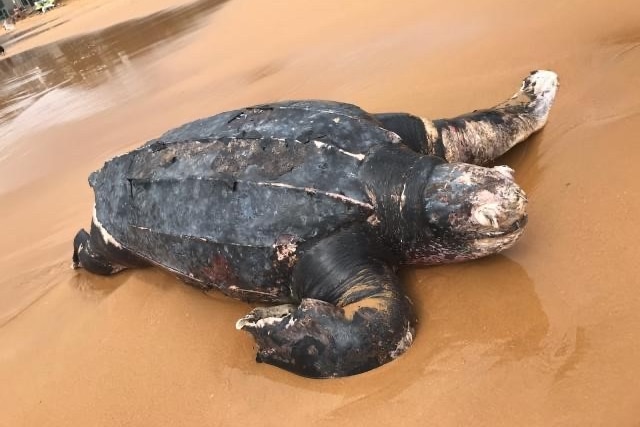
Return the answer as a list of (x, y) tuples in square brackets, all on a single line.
[(352, 315), (483, 135)]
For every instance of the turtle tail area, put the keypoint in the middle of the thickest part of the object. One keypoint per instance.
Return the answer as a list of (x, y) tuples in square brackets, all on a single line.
[(84, 256), (352, 317), (100, 255)]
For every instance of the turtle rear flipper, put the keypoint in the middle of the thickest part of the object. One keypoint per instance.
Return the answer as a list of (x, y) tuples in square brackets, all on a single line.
[(360, 322), (483, 135)]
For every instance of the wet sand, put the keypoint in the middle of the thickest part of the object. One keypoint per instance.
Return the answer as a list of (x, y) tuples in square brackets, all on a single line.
[(545, 334)]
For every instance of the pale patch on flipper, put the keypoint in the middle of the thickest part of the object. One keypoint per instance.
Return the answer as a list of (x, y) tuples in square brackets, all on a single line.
[(468, 145), (404, 343), (260, 317), (430, 129), (432, 136), (108, 238), (536, 94)]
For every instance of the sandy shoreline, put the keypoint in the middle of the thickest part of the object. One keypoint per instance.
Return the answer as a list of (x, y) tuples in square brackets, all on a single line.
[(545, 334), (75, 17)]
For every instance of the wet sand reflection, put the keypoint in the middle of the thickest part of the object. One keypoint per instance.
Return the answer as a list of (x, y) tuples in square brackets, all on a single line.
[(88, 61)]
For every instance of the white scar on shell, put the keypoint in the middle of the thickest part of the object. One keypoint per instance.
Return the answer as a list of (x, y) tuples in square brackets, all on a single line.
[(316, 191), (320, 144), (108, 238)]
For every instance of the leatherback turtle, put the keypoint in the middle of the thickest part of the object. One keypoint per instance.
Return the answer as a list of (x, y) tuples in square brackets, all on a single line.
[(313, 205)]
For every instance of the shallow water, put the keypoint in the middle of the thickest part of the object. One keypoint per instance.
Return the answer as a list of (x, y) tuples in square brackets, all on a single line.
[(544, 334)]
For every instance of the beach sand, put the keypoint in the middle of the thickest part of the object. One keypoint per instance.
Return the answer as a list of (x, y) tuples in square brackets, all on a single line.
[(545, 334)]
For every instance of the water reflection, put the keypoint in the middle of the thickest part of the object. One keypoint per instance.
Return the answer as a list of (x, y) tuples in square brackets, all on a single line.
[(88, 61), (490, 305)]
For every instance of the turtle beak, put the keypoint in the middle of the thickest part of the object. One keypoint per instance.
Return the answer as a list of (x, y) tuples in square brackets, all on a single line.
[(500, 240)]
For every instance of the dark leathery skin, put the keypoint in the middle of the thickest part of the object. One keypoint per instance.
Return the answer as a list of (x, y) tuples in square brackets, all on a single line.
[(396, 177), (353, 315), (208, 210), (343, 125)]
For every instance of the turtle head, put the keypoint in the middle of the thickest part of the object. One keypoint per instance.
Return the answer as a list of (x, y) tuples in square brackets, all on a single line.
[(470, 212)]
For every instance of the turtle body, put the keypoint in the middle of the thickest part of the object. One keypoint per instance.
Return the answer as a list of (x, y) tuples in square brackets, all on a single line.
[(244, 196), (312, 205)]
